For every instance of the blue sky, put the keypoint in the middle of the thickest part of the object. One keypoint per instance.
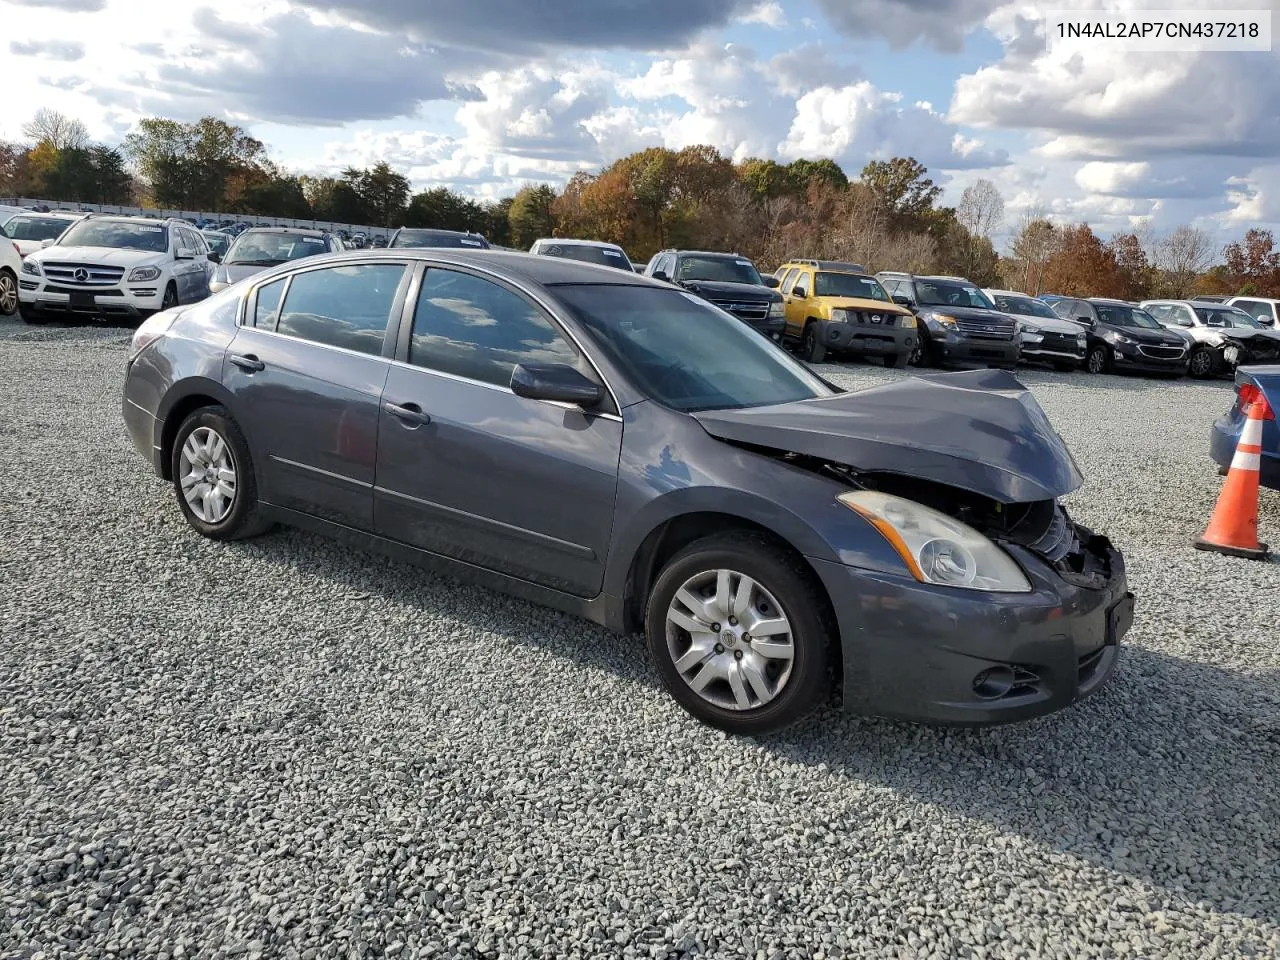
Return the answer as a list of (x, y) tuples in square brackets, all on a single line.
[(487, 95)]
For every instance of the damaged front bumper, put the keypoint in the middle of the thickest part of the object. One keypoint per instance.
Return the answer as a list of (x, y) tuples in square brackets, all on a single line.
[(932, 654)]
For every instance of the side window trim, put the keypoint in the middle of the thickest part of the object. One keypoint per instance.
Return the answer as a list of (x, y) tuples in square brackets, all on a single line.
[(400, 351), (389, 335)]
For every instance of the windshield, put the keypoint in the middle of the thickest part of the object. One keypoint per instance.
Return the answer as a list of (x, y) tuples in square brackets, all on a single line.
[(438, 238), (268, 249), (118, 234), (848, 285), (34, 228), (1122, 316), (218, 242), (717, 269), (943, 293), (1227, 317), (1024, 307), (587, 253), (686, 354)]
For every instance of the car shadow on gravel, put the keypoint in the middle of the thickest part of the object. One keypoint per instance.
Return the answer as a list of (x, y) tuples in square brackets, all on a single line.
[(1169, 775)]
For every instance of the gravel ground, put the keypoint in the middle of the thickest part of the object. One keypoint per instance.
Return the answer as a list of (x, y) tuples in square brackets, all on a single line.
[(283, 748)]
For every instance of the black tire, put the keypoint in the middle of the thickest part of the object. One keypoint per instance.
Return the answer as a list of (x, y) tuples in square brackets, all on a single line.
[(170, 297), (802, 602), (244, 519), (1202, 364), (1065, 366), (1098, 360), (922, 353), (810, 349), (8, 293), (897, 361)]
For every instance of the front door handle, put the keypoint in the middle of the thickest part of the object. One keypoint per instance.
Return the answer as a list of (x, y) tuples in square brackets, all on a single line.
[(410, 413), (248, 362)]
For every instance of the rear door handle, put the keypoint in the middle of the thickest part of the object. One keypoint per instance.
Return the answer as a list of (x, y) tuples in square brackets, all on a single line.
[(407, 412), (248, 362)]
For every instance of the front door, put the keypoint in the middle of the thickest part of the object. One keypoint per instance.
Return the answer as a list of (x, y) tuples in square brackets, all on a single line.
[(468, 469), (797, 302), (307, 371)]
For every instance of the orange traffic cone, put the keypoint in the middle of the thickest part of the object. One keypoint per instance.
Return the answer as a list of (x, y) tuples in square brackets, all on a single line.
[(1233, 528)]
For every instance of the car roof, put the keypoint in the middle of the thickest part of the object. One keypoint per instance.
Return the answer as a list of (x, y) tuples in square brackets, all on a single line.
[(546, 271), (941, 276), (569, 241), (1007, 293), (300, 231), (707, 253), (1110, 301), (51, 215)]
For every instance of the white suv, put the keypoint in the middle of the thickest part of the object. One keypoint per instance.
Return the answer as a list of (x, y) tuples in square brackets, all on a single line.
[(115, 266)]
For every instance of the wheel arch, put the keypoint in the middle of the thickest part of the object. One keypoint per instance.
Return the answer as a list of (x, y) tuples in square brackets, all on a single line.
[(180, 404)]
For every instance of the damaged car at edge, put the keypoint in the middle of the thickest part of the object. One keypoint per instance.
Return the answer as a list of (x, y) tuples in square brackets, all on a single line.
[(610, 446)]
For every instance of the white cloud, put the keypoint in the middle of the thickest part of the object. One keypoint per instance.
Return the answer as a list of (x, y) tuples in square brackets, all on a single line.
[(768, 13)]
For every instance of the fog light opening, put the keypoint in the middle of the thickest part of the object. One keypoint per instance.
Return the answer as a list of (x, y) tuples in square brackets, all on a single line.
[(994, 683)]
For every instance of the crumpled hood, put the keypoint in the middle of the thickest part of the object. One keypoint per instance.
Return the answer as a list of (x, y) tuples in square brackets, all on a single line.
[(723, 290), (101, 256), (1247, 334), (978, 430)]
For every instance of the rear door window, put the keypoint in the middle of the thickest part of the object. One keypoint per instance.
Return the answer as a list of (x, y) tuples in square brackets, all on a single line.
[(347, 306)]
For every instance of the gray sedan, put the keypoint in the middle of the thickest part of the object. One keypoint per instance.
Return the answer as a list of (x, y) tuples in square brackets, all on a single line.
[(614, 447)]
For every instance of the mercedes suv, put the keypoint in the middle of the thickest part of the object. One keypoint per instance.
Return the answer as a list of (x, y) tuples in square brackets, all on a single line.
[(128, 267)]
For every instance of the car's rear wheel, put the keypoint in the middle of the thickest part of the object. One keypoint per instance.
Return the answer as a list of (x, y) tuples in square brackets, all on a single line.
[(1098, 360), (213, 476), (737, 629), (8, 293), (810, 349), (1201, 365)]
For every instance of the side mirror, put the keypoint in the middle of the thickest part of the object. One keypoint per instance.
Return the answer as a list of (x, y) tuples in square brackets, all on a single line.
[(800, 293), (661, 275), (215, 257), (184, 253), (557, 382), (46, 244), (1087, 321), (771, 282), (902, 301)]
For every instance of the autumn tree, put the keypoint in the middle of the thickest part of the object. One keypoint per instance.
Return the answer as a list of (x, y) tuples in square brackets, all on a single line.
[(1253, 265), (979, 215), (1136, 274), (442, 209), (190, 165), (1083, 266), (1030, 250)]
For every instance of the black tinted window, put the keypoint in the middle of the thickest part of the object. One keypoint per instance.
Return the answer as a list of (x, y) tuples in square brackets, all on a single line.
[(474, 328), (268, 309), (346, 306)]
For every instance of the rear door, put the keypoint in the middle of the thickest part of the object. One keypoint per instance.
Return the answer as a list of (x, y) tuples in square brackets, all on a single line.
[(469, 470), (307, 367)]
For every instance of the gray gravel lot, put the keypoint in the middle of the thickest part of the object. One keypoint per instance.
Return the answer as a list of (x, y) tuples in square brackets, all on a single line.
[(284, 748)]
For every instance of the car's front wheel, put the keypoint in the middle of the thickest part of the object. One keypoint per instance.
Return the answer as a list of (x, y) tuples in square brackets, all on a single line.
[(213, 476), (1202, 364), (737, 629), (170, 297), (1098, 360), (8, 293), (811, 349)]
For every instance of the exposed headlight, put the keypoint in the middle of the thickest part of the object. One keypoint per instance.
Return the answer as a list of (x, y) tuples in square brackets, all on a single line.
[(142, 274), (1081, 340), (1031, 334), (777, 310), (29, 266), (1119, 338), (839, 315), (937, 548)]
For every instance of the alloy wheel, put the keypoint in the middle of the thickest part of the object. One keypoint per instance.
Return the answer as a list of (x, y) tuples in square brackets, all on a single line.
[(730, 640), (1201, 363), (208, 475), (8, 295), (1097, 361)]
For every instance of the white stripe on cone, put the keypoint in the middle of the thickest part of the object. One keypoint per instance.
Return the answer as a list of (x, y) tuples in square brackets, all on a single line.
[(1252, 433), (1246, 461)]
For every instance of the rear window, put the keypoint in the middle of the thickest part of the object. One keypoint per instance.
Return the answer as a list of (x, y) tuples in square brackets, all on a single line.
[(439, 238), (34, 228), (587, 253)]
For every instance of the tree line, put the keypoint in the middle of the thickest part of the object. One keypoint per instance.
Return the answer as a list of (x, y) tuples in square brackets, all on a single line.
[(889, 217)]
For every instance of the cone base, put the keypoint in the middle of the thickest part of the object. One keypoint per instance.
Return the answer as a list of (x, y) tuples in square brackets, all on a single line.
[(1247, 553)]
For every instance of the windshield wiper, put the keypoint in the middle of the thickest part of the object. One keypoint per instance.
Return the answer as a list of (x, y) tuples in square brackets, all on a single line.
[(254, 263)]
